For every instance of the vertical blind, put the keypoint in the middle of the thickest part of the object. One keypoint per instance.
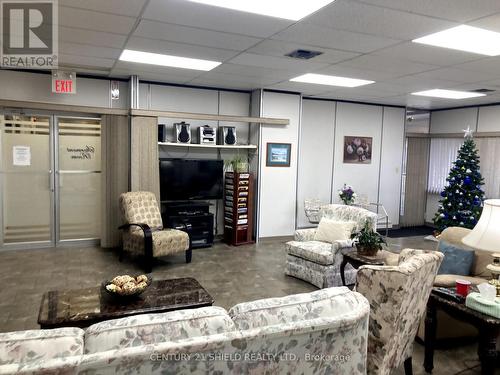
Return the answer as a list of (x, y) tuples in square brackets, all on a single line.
[(443, 152)]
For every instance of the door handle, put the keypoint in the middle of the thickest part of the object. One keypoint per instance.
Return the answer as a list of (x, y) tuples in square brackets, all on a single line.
[(51, 181)]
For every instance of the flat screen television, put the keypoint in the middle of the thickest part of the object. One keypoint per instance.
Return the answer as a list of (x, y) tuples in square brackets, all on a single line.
[(190, 179)]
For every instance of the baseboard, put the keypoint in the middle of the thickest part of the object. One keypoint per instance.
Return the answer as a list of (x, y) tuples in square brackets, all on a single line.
[(276, 239)]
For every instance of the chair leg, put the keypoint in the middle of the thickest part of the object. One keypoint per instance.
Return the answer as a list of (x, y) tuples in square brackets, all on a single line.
[(189, 255), (408, 367)]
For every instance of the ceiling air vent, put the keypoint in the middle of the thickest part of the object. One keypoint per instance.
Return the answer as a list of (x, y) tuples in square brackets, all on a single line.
[(483, 91), (303, 54)]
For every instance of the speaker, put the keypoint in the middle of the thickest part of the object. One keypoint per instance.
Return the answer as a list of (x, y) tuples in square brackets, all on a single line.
[(162, 133), (228, 135), (207, 135), (182, 132)]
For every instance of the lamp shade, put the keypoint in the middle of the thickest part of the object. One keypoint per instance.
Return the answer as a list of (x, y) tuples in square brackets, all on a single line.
[(486, 234)]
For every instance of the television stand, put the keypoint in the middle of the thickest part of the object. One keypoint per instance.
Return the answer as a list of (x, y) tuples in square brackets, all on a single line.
[(192, 217)]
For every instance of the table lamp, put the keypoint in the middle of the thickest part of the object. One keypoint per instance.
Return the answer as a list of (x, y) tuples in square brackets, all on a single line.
[(486, 236)]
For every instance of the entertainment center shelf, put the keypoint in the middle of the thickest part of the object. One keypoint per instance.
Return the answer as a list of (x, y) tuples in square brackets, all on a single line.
[(247, 147)]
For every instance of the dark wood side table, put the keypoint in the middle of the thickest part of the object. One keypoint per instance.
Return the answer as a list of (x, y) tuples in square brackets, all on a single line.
[(488, 326), (354, 259), (83, 307)]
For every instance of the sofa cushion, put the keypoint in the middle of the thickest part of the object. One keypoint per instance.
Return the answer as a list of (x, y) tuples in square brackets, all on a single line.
[(323, 303), (334, 230), (154, 328), (315, 251), (457, 260), (35, 345)]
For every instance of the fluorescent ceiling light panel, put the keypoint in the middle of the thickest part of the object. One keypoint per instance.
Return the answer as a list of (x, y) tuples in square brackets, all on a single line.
[(448, 94), (465, 38), (291, 10), (167, 60), (321, 79)]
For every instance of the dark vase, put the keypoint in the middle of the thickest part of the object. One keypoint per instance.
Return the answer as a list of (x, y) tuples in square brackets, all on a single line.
[(184, 134), (366, 250), (230, 138)]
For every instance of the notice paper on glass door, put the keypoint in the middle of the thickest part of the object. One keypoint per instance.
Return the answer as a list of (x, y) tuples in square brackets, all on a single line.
[(21, 156)]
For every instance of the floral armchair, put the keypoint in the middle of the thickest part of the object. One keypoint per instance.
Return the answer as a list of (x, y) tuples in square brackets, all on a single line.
[(319, 262), (143, 231), (398, 298)]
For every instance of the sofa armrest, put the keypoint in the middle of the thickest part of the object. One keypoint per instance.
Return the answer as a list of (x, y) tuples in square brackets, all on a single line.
[(449, 281), (304, 234)]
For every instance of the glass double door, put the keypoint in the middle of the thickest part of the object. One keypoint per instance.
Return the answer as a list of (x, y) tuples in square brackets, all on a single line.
[(50, 172)]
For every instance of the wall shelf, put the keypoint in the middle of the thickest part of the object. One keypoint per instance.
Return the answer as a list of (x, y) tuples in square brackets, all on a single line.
[(197, 145), (209, 117)]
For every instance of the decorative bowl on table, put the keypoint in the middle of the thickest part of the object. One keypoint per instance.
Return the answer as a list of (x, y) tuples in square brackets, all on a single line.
[(127, 286)]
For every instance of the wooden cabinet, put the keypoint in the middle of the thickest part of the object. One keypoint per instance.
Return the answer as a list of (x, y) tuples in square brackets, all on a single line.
[(238, 208)]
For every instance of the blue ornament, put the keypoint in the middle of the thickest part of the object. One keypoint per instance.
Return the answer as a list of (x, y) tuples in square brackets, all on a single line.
[(467, 180), (443, 194)]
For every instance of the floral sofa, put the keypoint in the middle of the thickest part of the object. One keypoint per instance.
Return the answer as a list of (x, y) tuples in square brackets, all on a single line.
[(319, 262), (320, 332)]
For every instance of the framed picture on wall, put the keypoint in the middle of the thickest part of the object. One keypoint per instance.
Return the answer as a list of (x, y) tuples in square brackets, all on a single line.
[(358, 150), (278, 154)]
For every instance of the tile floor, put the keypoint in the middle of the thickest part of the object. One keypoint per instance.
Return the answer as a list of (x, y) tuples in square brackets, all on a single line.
[(230, 274)]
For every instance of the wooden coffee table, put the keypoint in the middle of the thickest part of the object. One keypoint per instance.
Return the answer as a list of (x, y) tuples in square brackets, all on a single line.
[(488, 326), (83, 307)]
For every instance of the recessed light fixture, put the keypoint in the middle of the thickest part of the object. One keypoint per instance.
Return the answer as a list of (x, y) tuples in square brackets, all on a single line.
[(167, 60), (448, 94), (321, 79), (290, 10), (465, 38)]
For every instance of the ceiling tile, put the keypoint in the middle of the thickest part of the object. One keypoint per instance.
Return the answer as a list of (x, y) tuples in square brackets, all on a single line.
[(452, 74), (455, 10), (363, 18), (490, 23), (88, 50), (335, 39), (86, 19), (258, 81), (149, 76), (427, 54), (490, 65), (122, 7), (280, 48), (277, 62), (84, 61), (191, 35), (193, 14), (155, 69), (223, 84), (179, 49), (387, 64), (352, 72), (96, 38), (412, 83), (304, 88), (254, 71)]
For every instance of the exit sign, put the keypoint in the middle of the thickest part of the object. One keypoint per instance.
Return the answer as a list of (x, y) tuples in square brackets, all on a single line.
[(63, 82)]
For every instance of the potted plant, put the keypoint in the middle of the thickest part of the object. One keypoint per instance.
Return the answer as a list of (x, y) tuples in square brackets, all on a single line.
[(347, 195), (367, 241), (239, 165)]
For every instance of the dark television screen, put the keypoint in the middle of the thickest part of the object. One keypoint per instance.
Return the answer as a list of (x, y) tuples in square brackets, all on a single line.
[(186, 179)]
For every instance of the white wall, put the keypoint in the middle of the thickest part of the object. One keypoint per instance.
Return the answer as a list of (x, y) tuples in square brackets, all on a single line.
[(278, 184), (393, 134), (357, 120), (323, 128), (317, 134), (37, 87)]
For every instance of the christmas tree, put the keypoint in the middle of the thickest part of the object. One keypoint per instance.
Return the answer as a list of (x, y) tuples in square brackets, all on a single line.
[(462, 199)]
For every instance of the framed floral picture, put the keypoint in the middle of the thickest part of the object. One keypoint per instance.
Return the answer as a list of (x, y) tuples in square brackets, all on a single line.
[(278, 154), (358, 150)]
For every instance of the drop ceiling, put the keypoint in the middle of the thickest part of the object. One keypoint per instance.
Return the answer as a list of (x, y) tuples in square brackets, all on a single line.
[(365, 39)]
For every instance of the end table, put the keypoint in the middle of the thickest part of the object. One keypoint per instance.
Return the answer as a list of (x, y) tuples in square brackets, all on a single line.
[(352, 257)]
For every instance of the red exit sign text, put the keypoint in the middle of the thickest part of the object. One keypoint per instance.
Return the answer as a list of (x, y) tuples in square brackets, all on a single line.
[(63, 86)]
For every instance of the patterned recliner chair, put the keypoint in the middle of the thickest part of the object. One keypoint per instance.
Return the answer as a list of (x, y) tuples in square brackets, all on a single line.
[(398, 298), (143, 231), (319, 262)]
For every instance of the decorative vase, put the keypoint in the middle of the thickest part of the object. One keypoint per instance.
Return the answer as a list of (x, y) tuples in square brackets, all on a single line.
[(366, 250)]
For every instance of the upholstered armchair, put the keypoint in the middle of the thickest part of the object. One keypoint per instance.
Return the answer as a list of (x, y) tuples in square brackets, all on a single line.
[(143, 231), (398, 298), (319, 262)]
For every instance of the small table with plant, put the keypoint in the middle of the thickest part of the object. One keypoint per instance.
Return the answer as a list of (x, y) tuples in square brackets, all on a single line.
[(369, 250)]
